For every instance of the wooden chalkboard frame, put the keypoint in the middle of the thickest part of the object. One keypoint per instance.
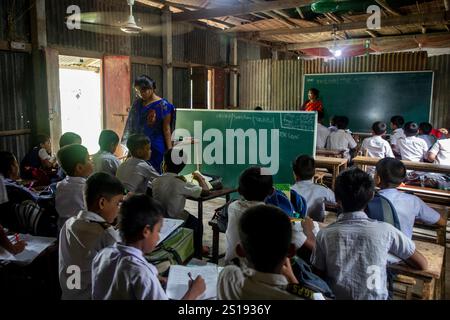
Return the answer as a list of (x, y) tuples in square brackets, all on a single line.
[(360, 73)]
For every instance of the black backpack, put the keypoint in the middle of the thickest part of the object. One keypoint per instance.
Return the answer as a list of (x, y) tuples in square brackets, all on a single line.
[(381, 209), (221, 216)]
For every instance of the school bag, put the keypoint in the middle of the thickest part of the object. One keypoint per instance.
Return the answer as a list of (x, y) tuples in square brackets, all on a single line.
[(381, 209), (295, 207), (309, 279), (177, 248), (221, 216)]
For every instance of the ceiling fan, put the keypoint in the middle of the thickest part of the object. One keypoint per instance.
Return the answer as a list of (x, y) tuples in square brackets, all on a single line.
[(126, 23)]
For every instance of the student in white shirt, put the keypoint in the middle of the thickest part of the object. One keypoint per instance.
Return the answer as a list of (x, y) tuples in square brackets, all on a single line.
[(332, 126), (425, 129), (315, 194), (397, 123), (74, 160), (376, 146), (340, 139), (135, 172), (265, 234), (390, 173), (349, 250), (171, 190), (322, 131), (105, 160), (411, 147), (66, 139), (121, 272), (440, 151), (83, 236)]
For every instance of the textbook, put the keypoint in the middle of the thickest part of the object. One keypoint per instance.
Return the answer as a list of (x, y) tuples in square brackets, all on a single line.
[(190, 179), (178, 281), (168, 226), (35, 246)]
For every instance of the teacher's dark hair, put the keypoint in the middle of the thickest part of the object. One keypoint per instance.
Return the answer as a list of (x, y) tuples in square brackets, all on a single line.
[(314, 91), (144, 82)]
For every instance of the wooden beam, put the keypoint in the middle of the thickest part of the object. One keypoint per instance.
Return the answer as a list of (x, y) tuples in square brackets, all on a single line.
[(234, 76), (388, 8), (447, 5), (300, 13), (372, 33), (167, 53), (15, 132), (6, 46), (237, 10), (429, 18), (361, 41)]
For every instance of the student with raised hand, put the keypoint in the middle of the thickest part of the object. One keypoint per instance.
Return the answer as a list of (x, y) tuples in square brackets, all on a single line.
[(397, 123), (121, 272), (390, 173), (411, 147), (135, 172), (425, 130), (315, 194), (91, 230), (265, 234), (171, 189), (440, 151), (341, 139), (105, 160), (69, 200), (355, 247)]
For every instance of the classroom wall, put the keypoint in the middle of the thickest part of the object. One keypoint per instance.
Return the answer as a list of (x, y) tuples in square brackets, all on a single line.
[(16, 94), (277, 84), (16, 9)]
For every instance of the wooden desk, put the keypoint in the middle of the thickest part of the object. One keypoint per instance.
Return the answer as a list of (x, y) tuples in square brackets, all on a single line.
[(212, 195), (410, 165), (432, 277), (330, 153), (429, 195), (441, 231), (335, 164)]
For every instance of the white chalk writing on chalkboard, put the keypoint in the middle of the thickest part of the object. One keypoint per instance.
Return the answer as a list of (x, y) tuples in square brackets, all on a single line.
[(297, 121)]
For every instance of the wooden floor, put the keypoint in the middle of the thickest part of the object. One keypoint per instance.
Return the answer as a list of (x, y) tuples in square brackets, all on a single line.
[(208, 212)]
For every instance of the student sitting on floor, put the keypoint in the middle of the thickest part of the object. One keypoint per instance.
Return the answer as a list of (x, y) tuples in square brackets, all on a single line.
[(425, 129), (105, 160), (340, 139), (84, 235), (411, 147), (120, 272), (66, 139), (135, 172), (69, 200), (322, 131), (390, 173), (348, 251), (171, 190), (440, 151), (254, 188), (265, 234), (315, 194), (397, 123)]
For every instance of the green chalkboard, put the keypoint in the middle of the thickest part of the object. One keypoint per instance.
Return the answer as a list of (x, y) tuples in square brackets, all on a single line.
[(368, 97), (271, 140)]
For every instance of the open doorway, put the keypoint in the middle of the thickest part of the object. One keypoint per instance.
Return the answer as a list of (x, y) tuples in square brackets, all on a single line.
[(80, 85)]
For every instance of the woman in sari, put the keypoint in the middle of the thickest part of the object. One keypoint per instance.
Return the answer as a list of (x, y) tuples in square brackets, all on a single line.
[(313, 103), (153, 116)]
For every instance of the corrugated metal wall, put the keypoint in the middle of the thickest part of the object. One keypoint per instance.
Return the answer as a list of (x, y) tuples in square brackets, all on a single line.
[(441, 92), (250, 51), (18, 11), (154, 72), (277, 84), (181, 88), (16, 86)]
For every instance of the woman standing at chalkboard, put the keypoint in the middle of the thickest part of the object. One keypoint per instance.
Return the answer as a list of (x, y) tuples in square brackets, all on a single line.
[(313, 103)]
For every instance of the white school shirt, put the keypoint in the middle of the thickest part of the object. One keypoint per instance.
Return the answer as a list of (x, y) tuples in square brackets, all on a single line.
[(3, 193), (80, 239), (442, 151), (171, 190), (43, 155), (412, 148), (136, 175), (120, 272), (396, 134), (341, 140), (322, 135), (69, 198), (105, 161), (429, 139), (410, 208), (235, 211), (315, 196), (377, 147)]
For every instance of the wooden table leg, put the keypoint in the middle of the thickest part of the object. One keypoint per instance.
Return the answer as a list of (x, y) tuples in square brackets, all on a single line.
[(335, 170), (428, 289), (200, 218), (215, 248)]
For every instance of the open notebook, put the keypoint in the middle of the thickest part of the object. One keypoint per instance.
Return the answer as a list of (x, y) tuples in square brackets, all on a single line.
[(178, 281), (169, 226), (190, 179), (35, 246)]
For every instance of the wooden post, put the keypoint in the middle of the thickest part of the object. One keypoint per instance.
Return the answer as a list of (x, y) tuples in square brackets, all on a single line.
[(274, 54), (167, 54), (234, 75)]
